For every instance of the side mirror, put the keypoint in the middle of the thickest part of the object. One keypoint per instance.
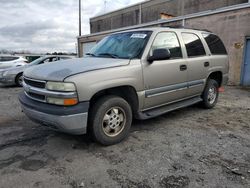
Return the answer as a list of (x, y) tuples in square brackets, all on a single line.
[(159, 54)]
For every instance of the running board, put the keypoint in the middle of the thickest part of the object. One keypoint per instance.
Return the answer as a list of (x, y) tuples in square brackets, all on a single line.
[(168, 108)]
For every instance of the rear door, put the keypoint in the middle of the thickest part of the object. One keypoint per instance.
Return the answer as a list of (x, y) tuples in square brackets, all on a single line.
[(7, 62), (197, 63)]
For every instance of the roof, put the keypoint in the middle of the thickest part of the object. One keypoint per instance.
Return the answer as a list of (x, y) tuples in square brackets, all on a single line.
[(164, 29), (148, 29)]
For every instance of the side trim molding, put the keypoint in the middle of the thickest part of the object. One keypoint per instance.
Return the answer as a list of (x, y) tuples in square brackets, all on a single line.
[(173, 88), (165, 90)]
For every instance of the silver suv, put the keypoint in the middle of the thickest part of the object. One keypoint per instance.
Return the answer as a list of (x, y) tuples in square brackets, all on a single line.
[(134, 74)]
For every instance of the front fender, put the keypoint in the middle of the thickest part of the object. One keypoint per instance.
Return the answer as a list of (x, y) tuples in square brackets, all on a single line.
[(90, 83)]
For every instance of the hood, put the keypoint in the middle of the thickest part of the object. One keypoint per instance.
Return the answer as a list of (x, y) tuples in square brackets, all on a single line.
[(59, 70)]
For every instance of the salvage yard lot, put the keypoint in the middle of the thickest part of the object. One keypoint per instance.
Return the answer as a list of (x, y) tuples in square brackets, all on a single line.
[(191, 147)]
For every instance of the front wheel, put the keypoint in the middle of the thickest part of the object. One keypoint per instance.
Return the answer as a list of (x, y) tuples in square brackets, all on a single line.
[(210, 94), (110, 120), (19, 80)]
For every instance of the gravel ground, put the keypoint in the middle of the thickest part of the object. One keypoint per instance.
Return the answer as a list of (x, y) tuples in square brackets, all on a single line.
[(191, 147)]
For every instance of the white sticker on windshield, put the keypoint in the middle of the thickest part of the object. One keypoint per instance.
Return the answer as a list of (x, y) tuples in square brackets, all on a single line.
[(139, 35)]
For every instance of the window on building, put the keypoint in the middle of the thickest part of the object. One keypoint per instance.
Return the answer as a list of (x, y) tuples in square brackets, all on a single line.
[(193, 45), (215, 44), (167, 40)]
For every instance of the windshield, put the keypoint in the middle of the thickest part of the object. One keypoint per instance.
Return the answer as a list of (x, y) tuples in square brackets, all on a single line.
[(127, 45), (37, 61)]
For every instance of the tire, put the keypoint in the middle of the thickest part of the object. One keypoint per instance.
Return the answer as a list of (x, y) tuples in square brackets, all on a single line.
[(19, 79), (110, 120), (210, 94)]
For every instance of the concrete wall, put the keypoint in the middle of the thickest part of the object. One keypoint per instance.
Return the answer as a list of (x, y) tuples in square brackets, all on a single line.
[(233, 27), (150, 11)]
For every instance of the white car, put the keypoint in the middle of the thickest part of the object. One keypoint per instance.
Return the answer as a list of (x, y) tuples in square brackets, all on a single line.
[(14, 75), (11, 61)]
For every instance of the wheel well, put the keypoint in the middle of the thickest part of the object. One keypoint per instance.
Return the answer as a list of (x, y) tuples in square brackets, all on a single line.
[(126, 92), (20, 73), (217, 76)]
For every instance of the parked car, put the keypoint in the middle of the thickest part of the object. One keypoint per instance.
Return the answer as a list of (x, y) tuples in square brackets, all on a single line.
[(134, 74), (11, 61), (14, 75)]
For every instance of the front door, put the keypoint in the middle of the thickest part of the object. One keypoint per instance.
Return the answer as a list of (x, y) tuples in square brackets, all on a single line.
[(165, 80), (246, 66)]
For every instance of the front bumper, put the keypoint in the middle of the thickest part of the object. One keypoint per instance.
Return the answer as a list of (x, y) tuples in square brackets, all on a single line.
[(71, 120)]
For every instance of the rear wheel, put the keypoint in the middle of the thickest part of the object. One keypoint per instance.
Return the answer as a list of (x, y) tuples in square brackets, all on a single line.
[(210, 94), (19, 80), (110, 120)]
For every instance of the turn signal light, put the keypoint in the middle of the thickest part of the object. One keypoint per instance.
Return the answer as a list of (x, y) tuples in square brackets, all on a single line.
[(70, 102)]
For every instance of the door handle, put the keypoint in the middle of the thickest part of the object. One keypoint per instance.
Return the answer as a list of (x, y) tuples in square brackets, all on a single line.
[(183, 67), (206, 64)]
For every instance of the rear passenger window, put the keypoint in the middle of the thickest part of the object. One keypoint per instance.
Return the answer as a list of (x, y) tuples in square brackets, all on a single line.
[(215, 44), (169, 41), (8, 58), (193, 45)]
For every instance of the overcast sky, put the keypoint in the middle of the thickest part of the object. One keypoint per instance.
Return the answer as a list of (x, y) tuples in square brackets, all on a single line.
[(48, 25)]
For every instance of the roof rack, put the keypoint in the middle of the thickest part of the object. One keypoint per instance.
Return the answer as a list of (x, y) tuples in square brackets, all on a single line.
[(183, 27)]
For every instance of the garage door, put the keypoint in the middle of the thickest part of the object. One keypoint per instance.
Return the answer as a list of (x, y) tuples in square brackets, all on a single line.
[(246, 68)]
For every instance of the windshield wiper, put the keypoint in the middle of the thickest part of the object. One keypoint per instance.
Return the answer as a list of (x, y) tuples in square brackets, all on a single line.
[(108, 54), (90, 54)]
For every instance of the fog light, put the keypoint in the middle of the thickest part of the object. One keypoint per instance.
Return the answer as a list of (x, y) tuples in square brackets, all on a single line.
[(62, 102)]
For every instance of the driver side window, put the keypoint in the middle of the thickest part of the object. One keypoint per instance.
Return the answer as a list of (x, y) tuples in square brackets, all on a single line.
[(167, 40), (48, 60)]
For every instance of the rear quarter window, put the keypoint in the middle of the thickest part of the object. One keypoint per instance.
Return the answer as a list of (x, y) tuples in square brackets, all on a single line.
[(215, 44), (6, 58), (64, 58)]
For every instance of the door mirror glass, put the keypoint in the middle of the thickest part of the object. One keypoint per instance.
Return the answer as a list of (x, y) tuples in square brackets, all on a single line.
[(159, 54)]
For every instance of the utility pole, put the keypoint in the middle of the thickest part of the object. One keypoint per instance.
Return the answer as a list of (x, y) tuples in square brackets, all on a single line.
[(140, 13), (80, 18), (105, 5), (80, 31)]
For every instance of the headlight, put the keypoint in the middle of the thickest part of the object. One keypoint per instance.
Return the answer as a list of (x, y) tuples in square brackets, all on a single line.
[(60, 86), (62, 102)]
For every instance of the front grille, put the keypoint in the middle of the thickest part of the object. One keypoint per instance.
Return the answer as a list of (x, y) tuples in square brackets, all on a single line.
[(32, 87), (36, 90), (35, 83)]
